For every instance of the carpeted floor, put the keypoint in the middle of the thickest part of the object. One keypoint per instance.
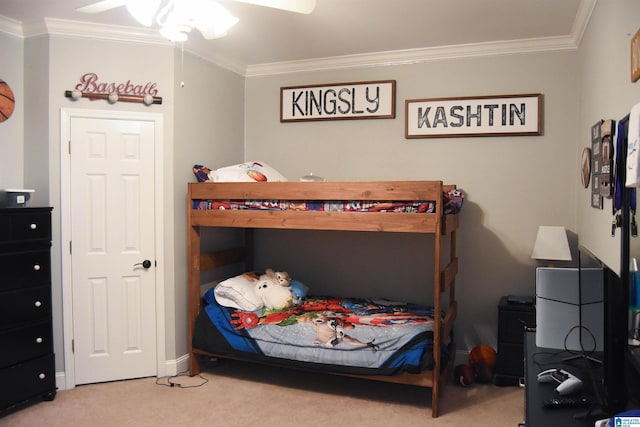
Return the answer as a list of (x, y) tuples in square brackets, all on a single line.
[(241, 394)]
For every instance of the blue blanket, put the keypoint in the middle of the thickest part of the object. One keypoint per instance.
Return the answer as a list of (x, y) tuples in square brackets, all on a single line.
[(340, 334)]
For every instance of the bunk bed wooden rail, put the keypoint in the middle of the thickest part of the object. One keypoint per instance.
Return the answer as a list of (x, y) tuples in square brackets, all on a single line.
[(427, 223)]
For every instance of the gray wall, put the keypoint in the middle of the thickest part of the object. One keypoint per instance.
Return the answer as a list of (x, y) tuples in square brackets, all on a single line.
[(12, 130), (512, 184), (209, 120), (605, 91), (206, 116)]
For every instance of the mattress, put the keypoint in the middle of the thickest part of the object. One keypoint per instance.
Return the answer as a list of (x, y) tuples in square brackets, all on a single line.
[(341, 335), (452, 204)]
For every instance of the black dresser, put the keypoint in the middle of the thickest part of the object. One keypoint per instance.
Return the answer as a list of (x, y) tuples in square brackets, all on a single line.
[(27, 367)]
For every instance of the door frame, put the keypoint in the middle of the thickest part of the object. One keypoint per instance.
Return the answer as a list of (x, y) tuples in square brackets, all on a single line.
[(66, 116)]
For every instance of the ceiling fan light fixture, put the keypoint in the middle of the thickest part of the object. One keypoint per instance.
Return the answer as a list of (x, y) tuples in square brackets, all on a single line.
[(177, 18)]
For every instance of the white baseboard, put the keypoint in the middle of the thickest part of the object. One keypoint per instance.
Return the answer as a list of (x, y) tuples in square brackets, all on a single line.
[(171, 367), (61, 381), (178, 366)]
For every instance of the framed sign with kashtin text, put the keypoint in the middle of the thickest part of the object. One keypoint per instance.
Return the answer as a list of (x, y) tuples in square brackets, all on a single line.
[(474, 116)]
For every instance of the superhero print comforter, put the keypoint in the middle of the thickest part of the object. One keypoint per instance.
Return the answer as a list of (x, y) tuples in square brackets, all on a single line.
[(342, 335), (452, 204)]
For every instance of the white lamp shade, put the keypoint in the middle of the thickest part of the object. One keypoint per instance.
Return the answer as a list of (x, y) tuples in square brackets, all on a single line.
[(551, 244)]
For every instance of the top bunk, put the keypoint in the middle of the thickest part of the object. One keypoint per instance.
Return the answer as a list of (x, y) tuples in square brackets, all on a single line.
[(385, 206)]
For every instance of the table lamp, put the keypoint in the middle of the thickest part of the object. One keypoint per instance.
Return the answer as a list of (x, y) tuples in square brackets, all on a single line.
[(551, 245)]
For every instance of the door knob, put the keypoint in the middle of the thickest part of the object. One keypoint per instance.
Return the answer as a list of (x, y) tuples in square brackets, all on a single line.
[(145, 264)]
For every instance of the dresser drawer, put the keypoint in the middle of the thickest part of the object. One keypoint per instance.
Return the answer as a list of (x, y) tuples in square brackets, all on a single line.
[(25, 269), (25, 343), (27, 305), (21, 226), (28, 380)]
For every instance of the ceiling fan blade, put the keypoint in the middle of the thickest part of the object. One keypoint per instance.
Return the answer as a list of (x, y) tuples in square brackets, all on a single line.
[(298, 6), (101, 6), (213, 20)]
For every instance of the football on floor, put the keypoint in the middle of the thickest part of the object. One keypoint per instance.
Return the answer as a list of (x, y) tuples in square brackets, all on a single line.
[(479, 369), (464, 375)]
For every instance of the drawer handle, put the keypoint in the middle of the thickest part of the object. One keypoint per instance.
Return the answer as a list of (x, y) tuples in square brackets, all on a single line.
[(33, 226), (42, 376), (38, 304), (36, 267), (39, 340)]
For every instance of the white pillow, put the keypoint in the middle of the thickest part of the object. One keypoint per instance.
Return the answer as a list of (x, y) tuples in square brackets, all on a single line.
[(246, 172), (238, 292)]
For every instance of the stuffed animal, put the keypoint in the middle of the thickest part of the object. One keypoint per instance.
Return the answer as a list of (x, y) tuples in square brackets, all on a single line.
[(282, 278), (299, 291), (273, 295)]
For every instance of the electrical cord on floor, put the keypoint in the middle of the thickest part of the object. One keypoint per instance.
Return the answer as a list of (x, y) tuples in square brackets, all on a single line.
[(171, 383)]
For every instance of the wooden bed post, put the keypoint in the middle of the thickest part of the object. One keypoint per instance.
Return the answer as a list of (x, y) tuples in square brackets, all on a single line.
[(193, 285), (437, 305)]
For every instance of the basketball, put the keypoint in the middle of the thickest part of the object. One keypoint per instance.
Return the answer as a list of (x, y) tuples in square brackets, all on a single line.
[(7, 101), (483, 353), (464, 375)]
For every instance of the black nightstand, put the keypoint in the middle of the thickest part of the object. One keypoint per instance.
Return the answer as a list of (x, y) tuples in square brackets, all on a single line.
[(513, 318)]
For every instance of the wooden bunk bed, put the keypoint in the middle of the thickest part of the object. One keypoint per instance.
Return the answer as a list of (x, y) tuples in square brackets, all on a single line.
[(438, 223)]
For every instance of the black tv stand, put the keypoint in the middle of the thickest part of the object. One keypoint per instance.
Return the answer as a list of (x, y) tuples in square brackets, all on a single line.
[(538, 359), (583, 357)]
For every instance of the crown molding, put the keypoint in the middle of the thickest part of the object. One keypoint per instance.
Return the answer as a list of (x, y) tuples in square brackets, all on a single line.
[(585, 10), (68, 28), (11, 27), (414, 56), (79, 29)]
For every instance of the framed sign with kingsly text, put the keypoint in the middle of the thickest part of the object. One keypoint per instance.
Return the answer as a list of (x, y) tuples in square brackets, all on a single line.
[(338, 101), (474, 116)]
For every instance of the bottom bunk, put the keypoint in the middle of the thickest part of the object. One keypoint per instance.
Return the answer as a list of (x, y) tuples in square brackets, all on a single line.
[(373, 339)]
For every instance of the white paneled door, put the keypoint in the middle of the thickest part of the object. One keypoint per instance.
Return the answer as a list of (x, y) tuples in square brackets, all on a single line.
[(112, 249)]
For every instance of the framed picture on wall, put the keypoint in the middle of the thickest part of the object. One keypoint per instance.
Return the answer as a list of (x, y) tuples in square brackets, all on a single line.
[(585, 169), (607, 130), (596, 164), (338, 101)]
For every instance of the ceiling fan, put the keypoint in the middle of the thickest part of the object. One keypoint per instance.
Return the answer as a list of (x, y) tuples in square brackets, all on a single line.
[(177, 18)]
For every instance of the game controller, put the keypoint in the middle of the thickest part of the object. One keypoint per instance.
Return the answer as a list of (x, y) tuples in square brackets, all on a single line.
[(567, 382)]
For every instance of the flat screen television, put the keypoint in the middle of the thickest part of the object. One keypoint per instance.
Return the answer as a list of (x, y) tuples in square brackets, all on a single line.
[(569, 308), (611, 391)]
